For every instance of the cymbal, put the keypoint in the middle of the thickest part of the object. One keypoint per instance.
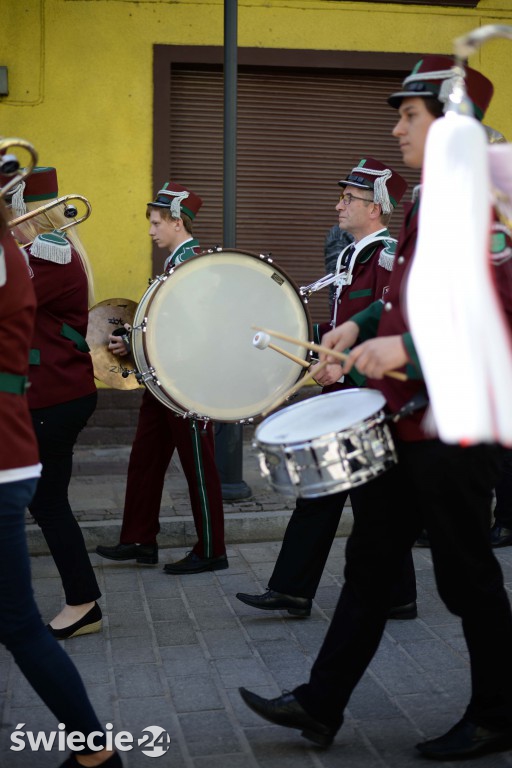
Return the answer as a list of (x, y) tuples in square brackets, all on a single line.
[(104, 318)]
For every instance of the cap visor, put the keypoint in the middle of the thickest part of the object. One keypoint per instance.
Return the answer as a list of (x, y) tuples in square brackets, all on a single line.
[(396, 98), (345, 183)]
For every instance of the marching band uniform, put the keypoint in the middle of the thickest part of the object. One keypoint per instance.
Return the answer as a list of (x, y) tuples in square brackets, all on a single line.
[(41, 659), (160, 432), (363, 270), (17, 307), (62, 394), (444, 488)]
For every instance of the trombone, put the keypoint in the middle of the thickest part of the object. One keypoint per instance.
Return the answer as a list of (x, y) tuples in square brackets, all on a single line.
[(70, 212), (9, 164)]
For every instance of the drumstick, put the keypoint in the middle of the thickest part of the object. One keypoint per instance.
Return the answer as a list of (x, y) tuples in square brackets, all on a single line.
[(262, 341), (307, 377), (318, 348)]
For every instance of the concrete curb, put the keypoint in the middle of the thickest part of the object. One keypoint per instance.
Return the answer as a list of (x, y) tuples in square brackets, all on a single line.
[(240, 528)]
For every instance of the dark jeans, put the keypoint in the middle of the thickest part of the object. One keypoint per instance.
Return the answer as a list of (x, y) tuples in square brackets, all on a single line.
[(57, 429), (41, 659), (447, 490)]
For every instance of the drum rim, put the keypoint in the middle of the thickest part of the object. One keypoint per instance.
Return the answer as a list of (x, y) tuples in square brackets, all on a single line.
[(150, 294), (378, 412)]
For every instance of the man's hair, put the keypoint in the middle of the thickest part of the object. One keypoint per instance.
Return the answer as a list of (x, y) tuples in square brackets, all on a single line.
[(434, 106), (384, 217), (165, 214)]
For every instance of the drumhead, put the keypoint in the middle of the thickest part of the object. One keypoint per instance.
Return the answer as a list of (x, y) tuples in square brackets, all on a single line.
[(199, 335), (321, 415)]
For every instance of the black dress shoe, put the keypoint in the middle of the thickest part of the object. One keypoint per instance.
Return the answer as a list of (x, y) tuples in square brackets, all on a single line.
[(146, 554), (88, 624), (192, 563), (403, 612), (286, 710), (276, 601), (466, 740), (501, 536), (114, 761)]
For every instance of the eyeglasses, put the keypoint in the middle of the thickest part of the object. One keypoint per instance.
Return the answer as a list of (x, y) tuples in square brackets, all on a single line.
[(347, 198)]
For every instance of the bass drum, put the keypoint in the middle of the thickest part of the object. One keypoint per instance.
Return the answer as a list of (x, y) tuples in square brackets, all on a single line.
[(193, 333)]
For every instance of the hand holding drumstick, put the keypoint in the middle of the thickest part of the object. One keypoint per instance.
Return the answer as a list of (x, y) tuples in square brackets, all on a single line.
[(374, 358)]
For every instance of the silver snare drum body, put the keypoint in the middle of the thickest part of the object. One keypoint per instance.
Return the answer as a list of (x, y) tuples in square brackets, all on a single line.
[(327, 444)]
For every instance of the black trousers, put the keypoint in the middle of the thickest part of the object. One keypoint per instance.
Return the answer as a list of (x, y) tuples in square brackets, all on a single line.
[(447, 490), (306, 545), (57, 429), (503, 509)]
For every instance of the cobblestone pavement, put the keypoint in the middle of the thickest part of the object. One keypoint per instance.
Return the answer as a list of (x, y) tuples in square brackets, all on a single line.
[(174, 650)]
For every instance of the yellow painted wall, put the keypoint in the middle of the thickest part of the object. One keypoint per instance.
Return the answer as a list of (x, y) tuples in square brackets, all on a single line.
[(80, 81)]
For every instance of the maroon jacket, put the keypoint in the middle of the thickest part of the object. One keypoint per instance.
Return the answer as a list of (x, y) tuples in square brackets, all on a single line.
[(18, 445), (370, 281), (386, 319), (391, 320), (60, 369)]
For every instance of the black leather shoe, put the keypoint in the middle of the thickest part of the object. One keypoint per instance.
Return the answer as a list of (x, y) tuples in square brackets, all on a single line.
[(276, 601), (466, 740), (192, 563), (501, 536), (88, 624), (286, 711), (146, 554), (403, 612)]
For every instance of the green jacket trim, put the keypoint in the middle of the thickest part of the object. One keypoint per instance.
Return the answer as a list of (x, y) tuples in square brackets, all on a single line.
[(368, 320), (13, 383), (360, 294), (69, 333), (34, 357), (412, 369)]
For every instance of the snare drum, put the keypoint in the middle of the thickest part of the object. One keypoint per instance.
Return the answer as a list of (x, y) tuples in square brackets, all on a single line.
[(327, 444), (192, 336)]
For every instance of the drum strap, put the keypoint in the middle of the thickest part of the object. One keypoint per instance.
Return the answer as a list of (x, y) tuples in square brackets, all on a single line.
[(13, 383), (416, 403), (69, 333), (348, 259)]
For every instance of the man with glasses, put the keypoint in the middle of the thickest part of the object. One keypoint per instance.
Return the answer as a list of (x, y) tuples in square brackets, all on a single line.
[(371, 192)]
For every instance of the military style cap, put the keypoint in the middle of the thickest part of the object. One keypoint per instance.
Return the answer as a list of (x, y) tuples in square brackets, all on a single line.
[(178, 199), (41, 185), (433, 76), (387, 185)]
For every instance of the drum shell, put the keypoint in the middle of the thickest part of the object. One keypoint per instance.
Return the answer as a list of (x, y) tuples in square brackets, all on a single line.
[(332, 462)]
